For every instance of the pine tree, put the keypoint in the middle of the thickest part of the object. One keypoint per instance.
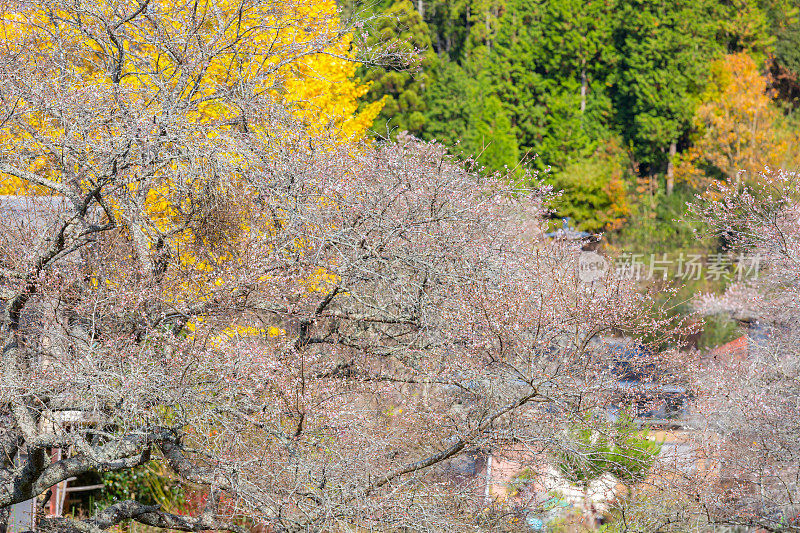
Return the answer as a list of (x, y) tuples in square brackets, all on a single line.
[(664, 49), (401, 90)]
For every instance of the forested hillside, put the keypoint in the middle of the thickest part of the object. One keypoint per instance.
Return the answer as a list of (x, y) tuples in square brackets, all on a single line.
[(633, 105)]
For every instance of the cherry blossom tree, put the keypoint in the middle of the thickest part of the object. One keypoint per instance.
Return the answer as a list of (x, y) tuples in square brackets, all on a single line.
[(305, 327), (751, 403)]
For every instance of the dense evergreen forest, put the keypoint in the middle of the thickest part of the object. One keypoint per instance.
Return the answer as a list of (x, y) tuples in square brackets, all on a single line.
[(631, 107)]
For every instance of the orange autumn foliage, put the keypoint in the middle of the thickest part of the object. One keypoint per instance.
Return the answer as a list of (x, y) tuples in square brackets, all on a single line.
[(739, 128)]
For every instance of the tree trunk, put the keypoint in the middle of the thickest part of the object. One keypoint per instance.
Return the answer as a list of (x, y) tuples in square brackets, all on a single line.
[(588, 509), (487, 492), (651, 184), (4, 514), (467, 21), (421, 8), (583, 87), (673, 149), (488, 26)]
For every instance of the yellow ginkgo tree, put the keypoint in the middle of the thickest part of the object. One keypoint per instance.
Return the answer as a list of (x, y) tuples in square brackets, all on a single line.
[(164, 64)]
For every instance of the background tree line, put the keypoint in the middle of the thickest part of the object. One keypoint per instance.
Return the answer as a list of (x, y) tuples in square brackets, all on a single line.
[(632, 105)]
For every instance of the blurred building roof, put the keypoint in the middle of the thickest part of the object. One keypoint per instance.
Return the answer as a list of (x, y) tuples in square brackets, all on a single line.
[(735, 350), (567, 232)]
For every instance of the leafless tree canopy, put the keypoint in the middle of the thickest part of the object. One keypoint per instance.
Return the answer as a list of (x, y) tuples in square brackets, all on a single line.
[(753, 404), (306, 329)]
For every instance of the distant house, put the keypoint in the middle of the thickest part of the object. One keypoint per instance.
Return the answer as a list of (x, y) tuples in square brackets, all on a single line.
[(657, 397), (736, 350)]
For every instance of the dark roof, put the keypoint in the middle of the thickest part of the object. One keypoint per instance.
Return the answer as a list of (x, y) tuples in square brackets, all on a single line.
[(630, 361)]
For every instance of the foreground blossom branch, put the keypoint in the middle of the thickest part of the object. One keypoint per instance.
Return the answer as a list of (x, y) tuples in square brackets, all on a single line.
[(304, 327), (751, 401)]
